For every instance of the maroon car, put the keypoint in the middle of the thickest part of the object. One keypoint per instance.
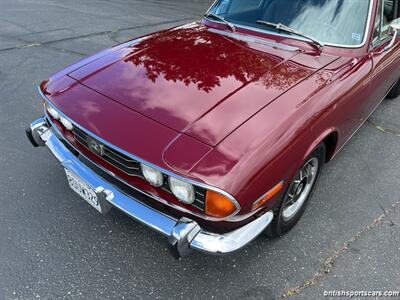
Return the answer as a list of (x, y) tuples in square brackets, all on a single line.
[(216, 131)]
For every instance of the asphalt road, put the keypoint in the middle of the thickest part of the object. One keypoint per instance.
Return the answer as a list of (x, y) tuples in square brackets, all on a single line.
[(53, 245)]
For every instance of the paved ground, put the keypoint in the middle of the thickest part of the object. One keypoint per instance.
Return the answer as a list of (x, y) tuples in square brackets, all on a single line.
[(53, 245)]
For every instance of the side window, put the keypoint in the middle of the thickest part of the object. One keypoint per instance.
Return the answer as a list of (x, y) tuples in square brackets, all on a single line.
[(384, 15)]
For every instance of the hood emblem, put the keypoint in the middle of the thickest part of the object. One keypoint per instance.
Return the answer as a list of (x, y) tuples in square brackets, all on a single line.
[(95, 146)]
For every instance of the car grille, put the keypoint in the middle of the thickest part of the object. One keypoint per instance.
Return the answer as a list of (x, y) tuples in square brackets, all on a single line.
[(128, 165), (115, 158)]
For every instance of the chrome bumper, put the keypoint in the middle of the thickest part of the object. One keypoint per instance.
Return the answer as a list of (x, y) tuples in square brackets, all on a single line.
[(183, 235)]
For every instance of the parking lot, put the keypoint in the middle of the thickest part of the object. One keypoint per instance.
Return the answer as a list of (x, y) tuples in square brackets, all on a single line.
[(53, 245)]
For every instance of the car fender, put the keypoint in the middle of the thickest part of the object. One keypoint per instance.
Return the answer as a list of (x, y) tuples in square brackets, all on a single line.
[(320, 138)]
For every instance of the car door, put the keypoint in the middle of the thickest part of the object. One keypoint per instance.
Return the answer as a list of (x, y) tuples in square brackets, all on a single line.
[(386, 60)]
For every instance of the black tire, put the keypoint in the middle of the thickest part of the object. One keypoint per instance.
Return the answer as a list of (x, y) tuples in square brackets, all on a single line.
[(395, 92), (280, 225)]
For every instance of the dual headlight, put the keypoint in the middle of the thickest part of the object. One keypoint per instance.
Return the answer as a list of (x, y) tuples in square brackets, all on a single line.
[(56, 116), (216, 204), (182, 190)]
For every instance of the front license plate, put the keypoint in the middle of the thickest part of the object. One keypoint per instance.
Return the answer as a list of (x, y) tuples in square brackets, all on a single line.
[(83, 189)]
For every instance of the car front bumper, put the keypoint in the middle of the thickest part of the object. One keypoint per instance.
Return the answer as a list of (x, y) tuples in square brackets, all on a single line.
[(183, 234)]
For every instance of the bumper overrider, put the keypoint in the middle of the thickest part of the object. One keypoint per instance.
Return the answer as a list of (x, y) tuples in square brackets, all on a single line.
[(183, 235)]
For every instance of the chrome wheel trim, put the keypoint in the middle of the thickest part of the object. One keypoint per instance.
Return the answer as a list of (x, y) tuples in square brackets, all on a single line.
[(300, 189)]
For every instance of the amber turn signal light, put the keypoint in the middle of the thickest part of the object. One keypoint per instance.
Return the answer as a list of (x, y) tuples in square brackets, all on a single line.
[(271, 193), (218, 205)]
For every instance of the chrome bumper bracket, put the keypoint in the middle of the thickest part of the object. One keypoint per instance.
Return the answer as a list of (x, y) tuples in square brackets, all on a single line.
[(104, 197), (182, 236)]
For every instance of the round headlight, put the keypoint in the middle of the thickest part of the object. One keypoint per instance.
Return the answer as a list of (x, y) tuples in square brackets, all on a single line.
[(67, 124), (53, 112), (153, 176), (182, 190)]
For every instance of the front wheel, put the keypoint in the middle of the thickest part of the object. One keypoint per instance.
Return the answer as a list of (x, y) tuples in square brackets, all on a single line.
[(298, 193), (395, 92)]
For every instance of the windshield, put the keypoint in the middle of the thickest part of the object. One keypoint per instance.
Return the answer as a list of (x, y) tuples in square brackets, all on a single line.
[(334, 22)]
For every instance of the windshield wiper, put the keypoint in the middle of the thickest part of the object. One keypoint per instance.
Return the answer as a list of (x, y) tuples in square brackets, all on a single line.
[(222, 19), (282, 27)]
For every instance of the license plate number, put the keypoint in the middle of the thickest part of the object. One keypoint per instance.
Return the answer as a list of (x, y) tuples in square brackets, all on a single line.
[(80, 187)]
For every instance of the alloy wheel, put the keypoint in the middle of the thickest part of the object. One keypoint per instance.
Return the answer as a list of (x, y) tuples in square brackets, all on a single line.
[(300, 189)]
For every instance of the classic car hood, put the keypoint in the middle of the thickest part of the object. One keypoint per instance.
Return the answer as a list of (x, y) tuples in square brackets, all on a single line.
[(197, 80)]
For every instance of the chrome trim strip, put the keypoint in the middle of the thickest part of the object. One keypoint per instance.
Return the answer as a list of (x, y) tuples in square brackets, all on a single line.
[(212, 5), (303, 39), (183, 234), (166, 172)]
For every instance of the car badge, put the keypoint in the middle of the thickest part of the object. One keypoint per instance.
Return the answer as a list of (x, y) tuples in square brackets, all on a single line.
[(95, 146)]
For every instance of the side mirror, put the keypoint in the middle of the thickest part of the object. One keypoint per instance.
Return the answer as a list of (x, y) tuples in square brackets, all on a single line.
[(394, 31)]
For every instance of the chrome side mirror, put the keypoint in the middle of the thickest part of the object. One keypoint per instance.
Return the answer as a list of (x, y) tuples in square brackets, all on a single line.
[(394, 31), (394, 28)]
